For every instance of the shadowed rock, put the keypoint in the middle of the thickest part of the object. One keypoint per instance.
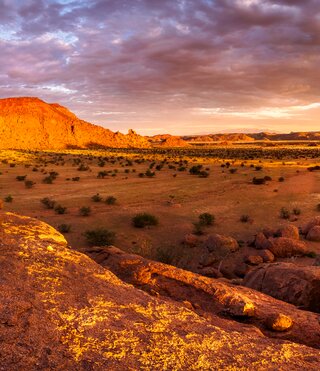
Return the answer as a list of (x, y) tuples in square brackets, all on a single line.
[(288, 282)]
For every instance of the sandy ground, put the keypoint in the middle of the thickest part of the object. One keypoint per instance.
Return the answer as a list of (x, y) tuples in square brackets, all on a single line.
[(176, 201)]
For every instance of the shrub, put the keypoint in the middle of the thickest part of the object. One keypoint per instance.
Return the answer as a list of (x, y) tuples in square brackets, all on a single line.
[(64, 228), (267, 178), (21, 178), (195, 170), (203, 174), (75, 179), (150, 174), (60, 209), (284, 213), (47, 180), (206, 219), (296, 211), (233, 170), (8, 198), (102, 174), (244, 218), (48, 203), (85, 210), (281, 179), (29, 183), (143, 220), (99, 237), (258, 181), (198, 229), (96, 198), (110, 200)]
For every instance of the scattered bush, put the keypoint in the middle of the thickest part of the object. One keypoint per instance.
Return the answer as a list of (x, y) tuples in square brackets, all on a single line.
[(244, 218), (206, 219), (29, 183), (8, 199), (284, 213), (85, 210), (99, 237), (64, 228), (60, 209), (144, 220), (48, 203), (21, 178), (296, 211), (110, 200), (96, 198)]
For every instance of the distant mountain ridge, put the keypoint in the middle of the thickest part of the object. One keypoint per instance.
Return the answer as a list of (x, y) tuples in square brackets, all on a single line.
[(30, 123)]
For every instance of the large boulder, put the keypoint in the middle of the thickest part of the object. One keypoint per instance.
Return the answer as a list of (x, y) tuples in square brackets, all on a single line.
[(289, 231), (312, 223), (283, 247), (220, 244), (314, 233), (294, 284)]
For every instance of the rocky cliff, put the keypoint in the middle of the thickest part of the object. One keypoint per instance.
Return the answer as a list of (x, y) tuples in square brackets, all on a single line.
[(59, 310), (30, 123)]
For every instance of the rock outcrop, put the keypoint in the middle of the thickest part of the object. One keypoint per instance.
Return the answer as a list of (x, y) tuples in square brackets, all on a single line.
[(288, 282), (59, 310), (209, 297), (30, 123)]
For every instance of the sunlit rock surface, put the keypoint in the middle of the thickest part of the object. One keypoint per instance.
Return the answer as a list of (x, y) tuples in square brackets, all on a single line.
[(59, 310), (30, 123)]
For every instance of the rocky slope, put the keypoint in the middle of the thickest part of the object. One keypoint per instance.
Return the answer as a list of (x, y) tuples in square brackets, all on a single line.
[(30, 123), (59, 310)]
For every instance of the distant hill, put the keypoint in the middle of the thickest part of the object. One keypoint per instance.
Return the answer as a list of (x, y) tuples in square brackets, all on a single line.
[(30, 123), (250, 137)]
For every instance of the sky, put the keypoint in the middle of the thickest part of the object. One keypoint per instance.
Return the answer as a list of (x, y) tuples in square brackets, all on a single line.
[(167, 66)]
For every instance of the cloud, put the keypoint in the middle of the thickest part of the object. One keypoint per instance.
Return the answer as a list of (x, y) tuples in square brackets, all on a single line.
[(158, 58)]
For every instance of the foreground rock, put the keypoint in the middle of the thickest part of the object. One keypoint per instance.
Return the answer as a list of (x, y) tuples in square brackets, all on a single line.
[(59, 310), (208, 296), (288, 282)]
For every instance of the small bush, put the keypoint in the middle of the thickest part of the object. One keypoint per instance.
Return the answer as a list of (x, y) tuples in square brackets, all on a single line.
[(110, 200), (284, 213), (296, 211), (206, 219), (258, 181), (85, 210), (96, 198), (244, 218), (60, 209), (198, 229), (64, 228), (99, 237), (144, 220), (8, 198), (48, 203), (281, 179), (21, 178), (29, 183)]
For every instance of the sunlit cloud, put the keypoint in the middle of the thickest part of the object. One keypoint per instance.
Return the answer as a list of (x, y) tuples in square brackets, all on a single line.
[(148, 63)]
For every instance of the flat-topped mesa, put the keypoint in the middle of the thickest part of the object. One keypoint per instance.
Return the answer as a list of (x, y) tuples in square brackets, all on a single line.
[(30, 123), (61, 310)]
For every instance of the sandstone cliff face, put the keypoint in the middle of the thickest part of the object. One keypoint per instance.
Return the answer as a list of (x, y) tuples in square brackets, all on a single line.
[(30, 123), (59, 310)]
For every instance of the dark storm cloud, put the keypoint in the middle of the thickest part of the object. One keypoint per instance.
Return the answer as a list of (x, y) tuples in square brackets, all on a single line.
[(170, 56)]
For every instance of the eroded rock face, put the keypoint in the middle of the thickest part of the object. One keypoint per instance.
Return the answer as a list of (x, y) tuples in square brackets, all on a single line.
[(30, 123), (208, 296), (288, 282), (59, 310)]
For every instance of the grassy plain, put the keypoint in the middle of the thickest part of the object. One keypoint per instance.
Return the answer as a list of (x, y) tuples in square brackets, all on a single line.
[(174, 196)]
